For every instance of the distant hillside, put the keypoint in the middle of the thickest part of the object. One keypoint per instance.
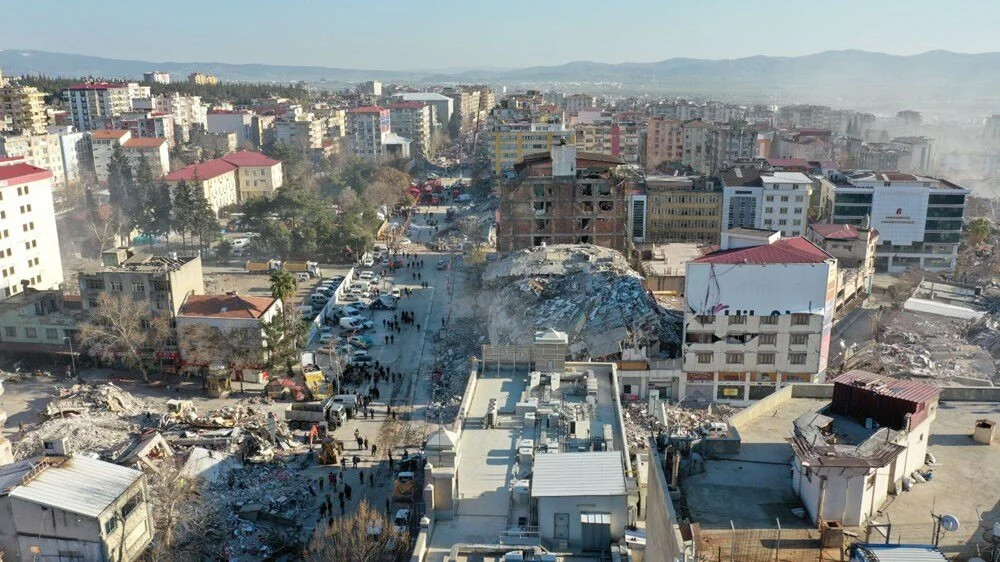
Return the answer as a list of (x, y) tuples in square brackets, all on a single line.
[(842, 78)]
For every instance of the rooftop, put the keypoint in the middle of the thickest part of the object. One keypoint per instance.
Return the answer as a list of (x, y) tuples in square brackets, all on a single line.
[(868, 179), (109, 134), (201, 171), (225, 306), (141, 262), (424, 96), (249, 158), (144, 143), (838, 231), (97, 86), (77, 484), (406, 105), (366, 109), (784, 251), (788, 162), (15, 174), (593, 473)]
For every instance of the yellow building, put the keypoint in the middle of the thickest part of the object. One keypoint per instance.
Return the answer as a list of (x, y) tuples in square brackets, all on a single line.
[(511, 142), (202, 79), (22, 108), (682, 209)]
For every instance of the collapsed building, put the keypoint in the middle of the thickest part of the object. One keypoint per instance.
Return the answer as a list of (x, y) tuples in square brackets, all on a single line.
[(589, 292)]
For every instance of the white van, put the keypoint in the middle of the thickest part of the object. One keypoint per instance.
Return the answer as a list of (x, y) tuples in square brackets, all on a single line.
[(361, 286), (319, 298), (302, 277), (305, 311)]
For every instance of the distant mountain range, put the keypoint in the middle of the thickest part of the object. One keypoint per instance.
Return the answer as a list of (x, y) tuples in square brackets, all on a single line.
[(835, 77)]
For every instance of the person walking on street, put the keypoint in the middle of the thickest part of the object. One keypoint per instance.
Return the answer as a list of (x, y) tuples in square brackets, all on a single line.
[(374, 448), (356, 461), (366, 442), (361, 476), (371, 479), (347, 491)]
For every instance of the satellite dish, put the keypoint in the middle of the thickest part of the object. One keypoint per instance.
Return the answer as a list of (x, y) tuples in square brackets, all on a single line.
[(949, 523)]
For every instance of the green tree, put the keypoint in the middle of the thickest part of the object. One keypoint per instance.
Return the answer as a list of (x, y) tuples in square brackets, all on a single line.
[(144, 217), (224, 250), (183, 210), (160, 207), (121, 190), (980, 229), (283, 285), (204, 223)]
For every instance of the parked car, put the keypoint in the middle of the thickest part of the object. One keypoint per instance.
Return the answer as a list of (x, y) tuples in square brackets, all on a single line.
[(384, 302), (361, 357), (396, 293), (441, 264), (402, 520), (366, 274)]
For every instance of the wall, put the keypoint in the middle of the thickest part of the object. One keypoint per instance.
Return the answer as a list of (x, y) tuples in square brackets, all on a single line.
[(664, 542), (616, 506), (761, 408)]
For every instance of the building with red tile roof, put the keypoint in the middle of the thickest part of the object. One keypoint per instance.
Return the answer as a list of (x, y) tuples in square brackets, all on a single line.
[(256, 174), (239, 318), (217, 179)]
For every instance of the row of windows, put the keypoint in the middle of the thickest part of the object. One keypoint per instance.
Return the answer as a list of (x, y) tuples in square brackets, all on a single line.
[(765, 358), (784, 198), (32, 333), (783, 210), (798, 319), (762, 339)]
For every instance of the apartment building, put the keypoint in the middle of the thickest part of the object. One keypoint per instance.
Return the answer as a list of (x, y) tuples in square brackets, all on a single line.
[(510, 142), (371, 87), (854, 247), (22, 109), (577, 102), (664, 142), (804, 116), (256, 174), (43, 150), (214, 179), (752, 198), (231, 314), (156, 152), (148, 124), (156, 77), (733, 141), (302, 130), (77, 154), (411, 119), (698, 150), (91, 105), (919, 218), (367, 129), (29, 243), (202, 79), (188, 112), (759, 315), (682, 209), (231, 121), (564, 197), (919, 151), (160, 283), (103, 145), (443, 105), (609, 136)]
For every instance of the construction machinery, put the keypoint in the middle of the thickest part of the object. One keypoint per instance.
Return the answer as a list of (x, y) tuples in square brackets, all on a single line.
[(330, 450)]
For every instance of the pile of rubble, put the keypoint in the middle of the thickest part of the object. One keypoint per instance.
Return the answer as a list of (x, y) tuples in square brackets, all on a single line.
[(675, 420), (589, 292), (460, 343)]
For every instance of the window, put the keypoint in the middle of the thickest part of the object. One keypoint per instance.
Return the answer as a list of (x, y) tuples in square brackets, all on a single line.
[(30, 333), (705, 319), (10, 331), (783, 210), (770, 198), (769, 209), (765, 358), (131, 504), (799, 339), (117, 286), (110, 525), (784, 198), (800, 320), (734, 358), (138, 286), (704, 358), (797, 358), (798, 198), (92, 302), (771, 320), (739, 319), (767, 339)]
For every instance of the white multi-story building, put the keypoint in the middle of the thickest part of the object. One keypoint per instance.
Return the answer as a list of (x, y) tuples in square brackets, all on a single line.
[(76, 152), (443, 105), (301, 130), (759, 315), (156, 77), (29, 243), (411, 119), (919, 218), (43, 150), (187, 111), (90, 106), (768, 200), (214, 180), (698, 150), (367, 129), (103, 145), (231, 121), (371, 87), (156, 152)]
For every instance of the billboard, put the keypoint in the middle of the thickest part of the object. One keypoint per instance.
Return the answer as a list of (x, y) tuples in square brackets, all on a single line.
[(899, 212)]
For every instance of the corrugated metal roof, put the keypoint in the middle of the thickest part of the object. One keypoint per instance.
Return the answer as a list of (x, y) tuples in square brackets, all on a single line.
[(786, 250), (80, 485), (911, 391), (597, 473), (897, 553)]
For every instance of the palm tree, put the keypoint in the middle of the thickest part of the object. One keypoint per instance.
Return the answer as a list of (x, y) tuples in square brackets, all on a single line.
[(282, 285), (980, 229)]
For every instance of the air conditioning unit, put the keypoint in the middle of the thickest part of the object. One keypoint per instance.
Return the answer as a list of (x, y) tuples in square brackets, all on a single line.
[(56, 448)]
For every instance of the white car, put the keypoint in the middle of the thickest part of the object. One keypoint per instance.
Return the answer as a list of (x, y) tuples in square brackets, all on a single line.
[(396, 292), (402, 520), (366, 275), (405, 242)]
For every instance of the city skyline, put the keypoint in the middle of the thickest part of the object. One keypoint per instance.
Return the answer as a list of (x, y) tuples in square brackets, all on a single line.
[(440, 37)]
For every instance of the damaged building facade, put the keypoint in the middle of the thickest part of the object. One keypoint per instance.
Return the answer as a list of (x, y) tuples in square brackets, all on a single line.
[(564, 197), (854, 247), (863, 447), (759, 315)]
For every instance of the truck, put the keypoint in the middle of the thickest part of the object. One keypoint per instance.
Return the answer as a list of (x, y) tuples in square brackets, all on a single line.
[(404, 487), (318, 385), (303, 415), (310, 267), (265, 267)]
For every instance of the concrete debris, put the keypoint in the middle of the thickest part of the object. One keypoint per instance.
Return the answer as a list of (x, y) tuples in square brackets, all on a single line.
[(589, 292), (675, 420), (460, 343)]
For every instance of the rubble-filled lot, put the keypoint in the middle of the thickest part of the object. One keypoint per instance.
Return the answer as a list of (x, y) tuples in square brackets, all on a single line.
[(678, 420)]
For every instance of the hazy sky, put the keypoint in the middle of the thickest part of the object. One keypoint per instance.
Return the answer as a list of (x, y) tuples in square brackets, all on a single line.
[(438, 34)]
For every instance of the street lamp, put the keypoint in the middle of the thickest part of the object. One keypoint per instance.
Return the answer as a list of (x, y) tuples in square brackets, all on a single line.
[(72, 357)]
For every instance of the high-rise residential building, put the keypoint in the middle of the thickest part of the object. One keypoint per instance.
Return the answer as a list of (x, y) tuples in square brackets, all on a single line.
[(733, 141), (22, 109), (77, 154), (804, 116), (609, 136), (301, 130), (512, 141), (103, 146), (919, 151), (231, 121), (202, 79), (443, 105), (156, 77), (664, 142), (919, 218), (156, 152), (766, 200), (367, 129), (42, 150), (758, 317), (187, 111), (577, 102), (371, 87), (29, 243), (148, 124), (411, 119), (682, 209), (92, 105), (564, 197), (698, 149)]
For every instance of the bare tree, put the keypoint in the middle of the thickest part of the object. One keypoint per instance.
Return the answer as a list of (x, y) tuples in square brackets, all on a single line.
[(366, 535), (121, 328)]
